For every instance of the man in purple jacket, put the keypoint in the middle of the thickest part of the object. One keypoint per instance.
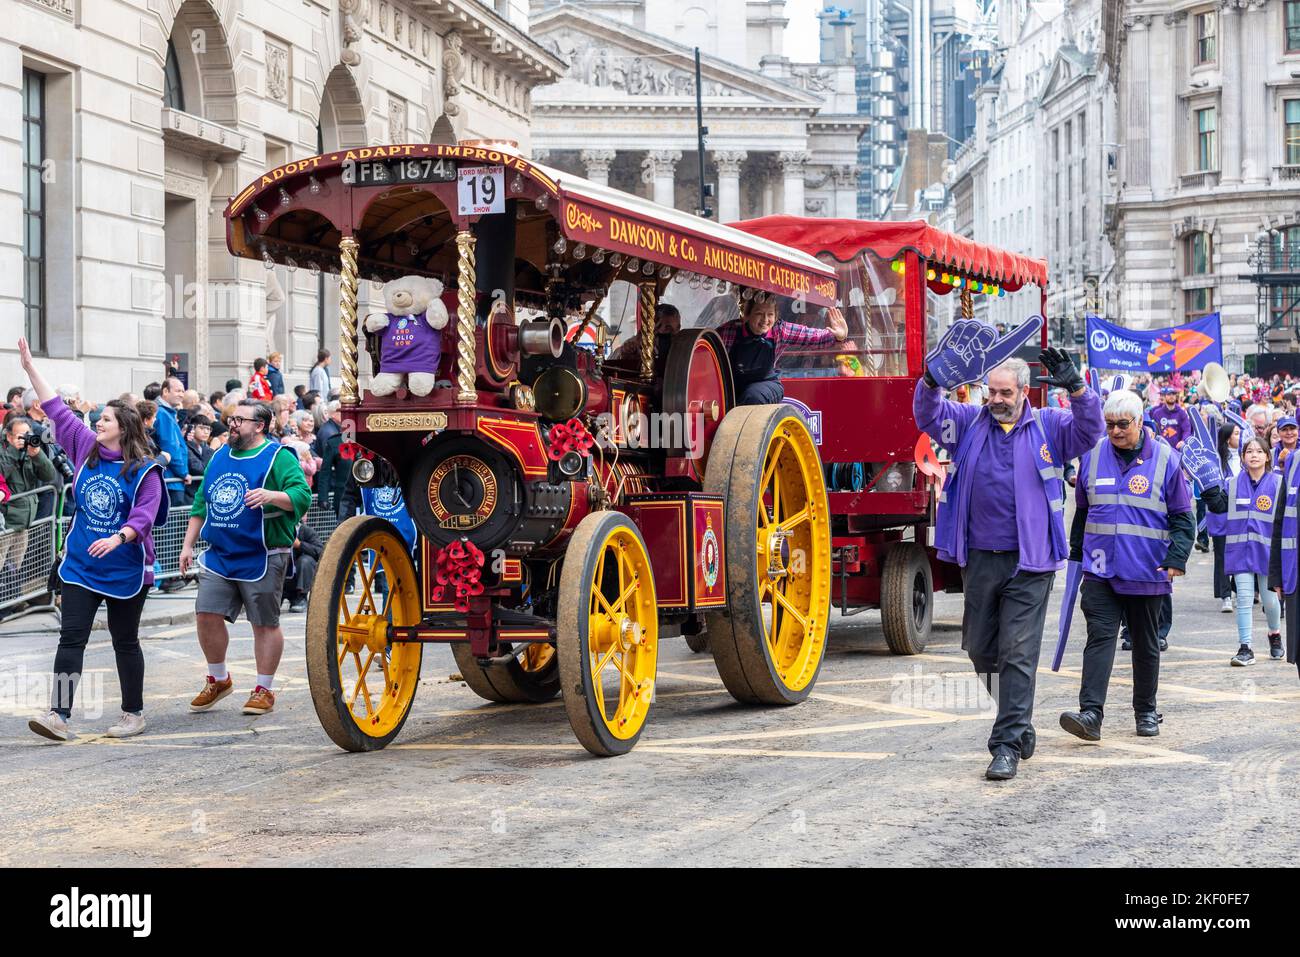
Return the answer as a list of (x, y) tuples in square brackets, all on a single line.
[(1001, 518), (1171, 421)]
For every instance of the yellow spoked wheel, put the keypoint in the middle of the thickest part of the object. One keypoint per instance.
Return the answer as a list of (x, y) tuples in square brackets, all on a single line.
[(769, 648), (361, 685), (608, 629), (521, 674)]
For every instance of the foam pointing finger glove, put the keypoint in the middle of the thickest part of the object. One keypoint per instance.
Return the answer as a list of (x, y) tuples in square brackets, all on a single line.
[(971, 348), (1061, 370)]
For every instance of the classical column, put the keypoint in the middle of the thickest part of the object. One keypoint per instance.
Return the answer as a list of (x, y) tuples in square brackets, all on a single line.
[(597, 163), (1182, 136), (1231, 132), (792, 167), (846, 191), (1137, 107), (657, 169), (1258, 34), (728, 164)]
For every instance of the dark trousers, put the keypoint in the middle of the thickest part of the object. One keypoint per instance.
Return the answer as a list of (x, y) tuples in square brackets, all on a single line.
[(1223, 584), (764, 392), (1164, 620), (79, 607), (1291, 611), (1002, 632), (1202, 536), (298, 585), (1103, 608)]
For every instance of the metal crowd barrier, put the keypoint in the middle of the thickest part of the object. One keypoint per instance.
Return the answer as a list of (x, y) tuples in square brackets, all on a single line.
[(27, 557)]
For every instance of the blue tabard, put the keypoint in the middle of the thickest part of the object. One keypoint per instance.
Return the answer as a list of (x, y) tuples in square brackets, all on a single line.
[(1126, 534), (386, 501), (104, 501), (233, 531)]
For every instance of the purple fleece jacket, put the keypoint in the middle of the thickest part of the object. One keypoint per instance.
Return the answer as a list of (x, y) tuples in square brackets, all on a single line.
[(77, 440)]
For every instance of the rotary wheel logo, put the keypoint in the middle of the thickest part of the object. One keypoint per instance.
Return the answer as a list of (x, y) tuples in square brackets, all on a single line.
[(1263, 504), (1138, 485), (709, 555), (1046, 455)]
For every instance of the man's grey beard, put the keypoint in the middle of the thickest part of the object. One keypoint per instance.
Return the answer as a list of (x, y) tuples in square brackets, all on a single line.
[(1010, 415)]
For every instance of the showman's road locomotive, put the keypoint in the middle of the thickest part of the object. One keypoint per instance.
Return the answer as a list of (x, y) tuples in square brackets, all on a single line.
[(570, 509)]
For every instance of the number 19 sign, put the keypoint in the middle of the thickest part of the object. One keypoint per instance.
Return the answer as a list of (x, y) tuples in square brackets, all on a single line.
[(480, 190)]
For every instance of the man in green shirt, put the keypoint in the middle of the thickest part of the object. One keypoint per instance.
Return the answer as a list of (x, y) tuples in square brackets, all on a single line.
[(247, 508)]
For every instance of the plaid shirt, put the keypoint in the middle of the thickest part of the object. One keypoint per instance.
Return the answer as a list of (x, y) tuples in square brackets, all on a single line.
[(785, 334)]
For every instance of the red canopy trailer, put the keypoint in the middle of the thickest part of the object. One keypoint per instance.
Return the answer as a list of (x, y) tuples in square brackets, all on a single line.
[(894, 282)]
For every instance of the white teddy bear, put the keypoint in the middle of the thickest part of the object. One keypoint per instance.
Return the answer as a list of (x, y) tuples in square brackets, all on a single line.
[(412, 341)]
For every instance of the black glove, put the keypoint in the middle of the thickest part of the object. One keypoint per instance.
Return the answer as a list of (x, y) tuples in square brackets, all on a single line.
[(1215, 499), (1061, 370)]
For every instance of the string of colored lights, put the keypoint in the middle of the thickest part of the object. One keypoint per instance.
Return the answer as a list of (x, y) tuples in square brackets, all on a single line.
[(954, 280)]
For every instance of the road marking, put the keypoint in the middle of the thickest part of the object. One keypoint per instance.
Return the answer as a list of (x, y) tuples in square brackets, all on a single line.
[(802, 732), (1239, 696), (173, 632), (769, 753)]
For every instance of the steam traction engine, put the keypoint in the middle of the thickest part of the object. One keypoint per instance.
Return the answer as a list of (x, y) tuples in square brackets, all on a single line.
[(570, 510)]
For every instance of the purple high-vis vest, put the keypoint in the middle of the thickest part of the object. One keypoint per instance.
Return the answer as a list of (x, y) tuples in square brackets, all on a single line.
[(410, 344), (1126, 535), (1046, 480), (1290, 525), (1250, 523)]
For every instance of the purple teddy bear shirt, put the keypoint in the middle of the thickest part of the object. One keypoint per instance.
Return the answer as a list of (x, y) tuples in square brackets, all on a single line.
[(410, 344)]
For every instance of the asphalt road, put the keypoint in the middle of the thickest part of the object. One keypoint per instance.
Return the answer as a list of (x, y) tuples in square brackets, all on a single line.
[(883, 765)]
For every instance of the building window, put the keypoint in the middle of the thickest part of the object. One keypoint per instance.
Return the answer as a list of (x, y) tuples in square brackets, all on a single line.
[(1291, 139), (1285, 258), (1082, 125), (173, 92), (1206, 26), (1292, 26), (34, 209), (1206, 154), (1199, 262), (1198, 303)]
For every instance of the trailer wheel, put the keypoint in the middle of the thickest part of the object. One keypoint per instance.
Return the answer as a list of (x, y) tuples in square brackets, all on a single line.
[(906, 598), (769, 644), (698, 643), (530, 675), (608, 628), (361, 685)]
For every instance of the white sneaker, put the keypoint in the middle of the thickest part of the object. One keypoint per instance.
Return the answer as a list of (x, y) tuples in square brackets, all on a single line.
[(128, 726), (1227, 608), (50, 725)]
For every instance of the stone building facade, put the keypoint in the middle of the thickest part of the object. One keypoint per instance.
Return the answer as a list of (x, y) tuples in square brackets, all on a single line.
[(125, 125), (783, 137), (1209, 122)]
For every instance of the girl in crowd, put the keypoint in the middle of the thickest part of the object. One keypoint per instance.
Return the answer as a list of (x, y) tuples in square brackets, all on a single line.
[(1252, 502), (109, 554)]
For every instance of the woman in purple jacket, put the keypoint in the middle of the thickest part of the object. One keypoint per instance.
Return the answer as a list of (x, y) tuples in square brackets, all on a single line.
[(109, 553)]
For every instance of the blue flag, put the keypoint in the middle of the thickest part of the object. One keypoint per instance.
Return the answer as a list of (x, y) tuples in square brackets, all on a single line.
[(1175, 348)]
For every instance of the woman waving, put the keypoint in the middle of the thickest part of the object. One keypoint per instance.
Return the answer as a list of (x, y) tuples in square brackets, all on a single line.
[(109, 555)]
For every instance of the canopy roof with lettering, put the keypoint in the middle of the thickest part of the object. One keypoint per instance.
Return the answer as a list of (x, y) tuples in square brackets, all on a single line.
[(406, 214), (843, 239)]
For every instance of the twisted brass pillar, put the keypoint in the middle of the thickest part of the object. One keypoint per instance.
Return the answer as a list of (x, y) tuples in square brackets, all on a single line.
[(348, 247), (646, 328), (967, 305), (465, 319)]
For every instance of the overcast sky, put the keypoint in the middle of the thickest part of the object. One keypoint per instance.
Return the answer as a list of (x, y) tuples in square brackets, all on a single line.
[(801, 34)]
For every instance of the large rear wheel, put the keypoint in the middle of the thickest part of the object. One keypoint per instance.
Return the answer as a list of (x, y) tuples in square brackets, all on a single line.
[(361, 685), (769, 644), (608, 630)]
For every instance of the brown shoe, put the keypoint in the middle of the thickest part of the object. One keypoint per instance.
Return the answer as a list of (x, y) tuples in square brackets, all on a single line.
[(259, 702), (213, 691)]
